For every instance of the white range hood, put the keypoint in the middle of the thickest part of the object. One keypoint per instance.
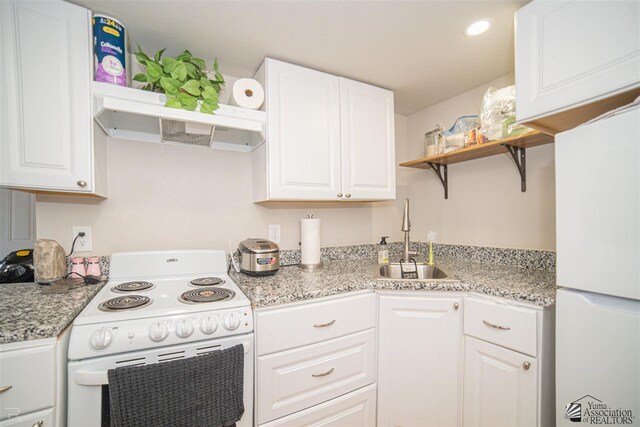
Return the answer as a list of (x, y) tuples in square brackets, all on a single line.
[(139, 115)]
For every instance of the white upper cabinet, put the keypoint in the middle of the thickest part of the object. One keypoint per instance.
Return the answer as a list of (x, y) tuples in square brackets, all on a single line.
[(419, 361), (328, 138), (368, 141), (303, 133), (571, 53), (46, 126)]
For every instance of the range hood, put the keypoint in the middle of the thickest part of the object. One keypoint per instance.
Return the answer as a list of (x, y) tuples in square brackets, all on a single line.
[(128, 113)]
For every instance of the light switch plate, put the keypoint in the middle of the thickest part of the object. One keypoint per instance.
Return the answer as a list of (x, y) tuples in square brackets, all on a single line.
[(274, 233), (83, 244)]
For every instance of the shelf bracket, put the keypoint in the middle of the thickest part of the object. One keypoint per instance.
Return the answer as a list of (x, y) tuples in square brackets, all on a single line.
[(441, 171), (519, 156)]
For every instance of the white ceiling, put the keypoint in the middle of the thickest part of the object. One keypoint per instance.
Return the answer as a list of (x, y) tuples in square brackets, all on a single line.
[(415, 48)]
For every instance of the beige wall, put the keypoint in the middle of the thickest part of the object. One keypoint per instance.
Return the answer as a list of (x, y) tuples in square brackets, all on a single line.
[(485, 205), (177, 197)]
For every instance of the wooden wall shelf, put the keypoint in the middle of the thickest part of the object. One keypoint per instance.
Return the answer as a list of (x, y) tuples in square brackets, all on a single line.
[(515, 146)]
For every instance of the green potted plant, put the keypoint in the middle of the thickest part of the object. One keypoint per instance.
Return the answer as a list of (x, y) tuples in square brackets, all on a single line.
[(184, 79)]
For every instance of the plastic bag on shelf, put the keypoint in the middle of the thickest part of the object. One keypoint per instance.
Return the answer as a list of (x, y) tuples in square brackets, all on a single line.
[(454, 137), (498, 114)]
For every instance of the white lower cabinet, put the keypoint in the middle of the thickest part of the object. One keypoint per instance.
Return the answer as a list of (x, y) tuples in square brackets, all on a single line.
[(27, 380), (443, 359), (356, 409), (420, 360), (500, 386)]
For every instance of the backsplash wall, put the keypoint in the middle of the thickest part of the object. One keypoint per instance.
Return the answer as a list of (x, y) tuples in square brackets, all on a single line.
[(485, 205), (180, 197)]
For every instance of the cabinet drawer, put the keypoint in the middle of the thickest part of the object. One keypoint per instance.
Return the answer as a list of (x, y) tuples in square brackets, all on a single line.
[(356, 409), (30, 375), (298, 379), (35, 419), (506, 325), (303, 324)]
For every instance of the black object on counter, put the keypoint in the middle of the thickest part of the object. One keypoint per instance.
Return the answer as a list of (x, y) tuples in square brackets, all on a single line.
[(17, 267)]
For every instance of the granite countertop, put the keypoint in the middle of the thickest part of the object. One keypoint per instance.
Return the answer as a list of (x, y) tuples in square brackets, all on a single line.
[(28, 312), (293, 284)]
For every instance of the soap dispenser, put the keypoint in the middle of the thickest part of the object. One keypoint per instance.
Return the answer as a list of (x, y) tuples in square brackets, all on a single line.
[(383, 251)]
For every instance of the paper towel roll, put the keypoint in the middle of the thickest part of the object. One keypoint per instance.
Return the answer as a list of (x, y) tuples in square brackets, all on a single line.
[(247, 93), (310, 241)]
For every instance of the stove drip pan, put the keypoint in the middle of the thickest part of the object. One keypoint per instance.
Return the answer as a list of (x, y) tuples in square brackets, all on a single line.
[(211, 294), (207, 281), (125, 302), (136, 286)]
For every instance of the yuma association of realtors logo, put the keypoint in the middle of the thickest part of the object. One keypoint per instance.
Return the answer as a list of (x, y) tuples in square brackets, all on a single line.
[(591, 410)]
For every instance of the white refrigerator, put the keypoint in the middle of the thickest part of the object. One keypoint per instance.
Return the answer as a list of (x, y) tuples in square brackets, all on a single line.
[(598, 272)]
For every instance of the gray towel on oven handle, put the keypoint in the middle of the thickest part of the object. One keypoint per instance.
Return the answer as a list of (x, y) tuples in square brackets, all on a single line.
[(203, 390)]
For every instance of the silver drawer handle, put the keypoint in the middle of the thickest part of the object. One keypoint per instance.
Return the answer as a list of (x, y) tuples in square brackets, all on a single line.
[(5, 388), (324, 374), (491, 325), (324, 325)]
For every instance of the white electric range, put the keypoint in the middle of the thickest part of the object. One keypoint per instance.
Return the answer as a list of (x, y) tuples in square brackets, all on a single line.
[(157, 307)]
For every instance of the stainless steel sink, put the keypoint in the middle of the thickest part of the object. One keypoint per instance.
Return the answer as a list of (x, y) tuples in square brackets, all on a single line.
[(425, 272)]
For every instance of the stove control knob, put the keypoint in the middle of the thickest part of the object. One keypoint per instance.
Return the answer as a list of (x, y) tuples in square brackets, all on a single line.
[(158, 331), (101, 339), (184, 328), (209, 324), (232, 321)]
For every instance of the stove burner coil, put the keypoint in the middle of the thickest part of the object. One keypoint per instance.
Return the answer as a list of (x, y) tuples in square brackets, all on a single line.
[(206, 295), (125, 302), (207, 281), (132, 286)]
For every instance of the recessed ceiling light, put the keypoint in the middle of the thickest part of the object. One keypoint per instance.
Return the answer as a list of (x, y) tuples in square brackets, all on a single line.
[(477, 27)]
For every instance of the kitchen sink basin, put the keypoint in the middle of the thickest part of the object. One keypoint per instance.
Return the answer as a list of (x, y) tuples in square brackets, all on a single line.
[(425, 271)]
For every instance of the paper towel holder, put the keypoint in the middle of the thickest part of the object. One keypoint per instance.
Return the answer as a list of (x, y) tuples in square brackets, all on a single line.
[(309, 266)]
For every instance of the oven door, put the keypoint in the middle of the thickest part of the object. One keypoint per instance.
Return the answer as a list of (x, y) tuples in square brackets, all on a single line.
[(88, 394)]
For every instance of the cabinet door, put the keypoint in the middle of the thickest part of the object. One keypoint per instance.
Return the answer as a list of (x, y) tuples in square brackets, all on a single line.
[(368, 141), (571, 52), (500, 386), (420, 361), (303, 133), (45, 98)]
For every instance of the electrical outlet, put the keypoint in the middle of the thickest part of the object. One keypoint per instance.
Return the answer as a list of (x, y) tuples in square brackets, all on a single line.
[(83, 244), (274, 233)]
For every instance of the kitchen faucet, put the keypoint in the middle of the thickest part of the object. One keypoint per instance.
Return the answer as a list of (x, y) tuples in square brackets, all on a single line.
[(406, 227)]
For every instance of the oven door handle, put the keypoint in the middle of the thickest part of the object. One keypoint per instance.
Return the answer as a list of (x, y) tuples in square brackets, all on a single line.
[(101, 377)]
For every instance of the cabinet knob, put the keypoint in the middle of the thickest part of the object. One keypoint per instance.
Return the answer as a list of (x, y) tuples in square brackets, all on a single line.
[(339, 194), (82, 183), (456, 306), (38, 423), (347, 195), (526, 365)]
